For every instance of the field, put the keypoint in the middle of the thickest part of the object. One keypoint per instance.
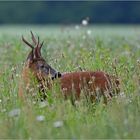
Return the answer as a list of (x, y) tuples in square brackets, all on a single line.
[(114, 49)]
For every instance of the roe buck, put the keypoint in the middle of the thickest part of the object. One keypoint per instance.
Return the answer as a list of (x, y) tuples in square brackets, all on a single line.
[(93, 84)]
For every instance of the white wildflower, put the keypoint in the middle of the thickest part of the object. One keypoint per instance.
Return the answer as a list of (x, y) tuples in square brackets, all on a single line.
[(77, 103), (138, 61), (97, 89), (58, 124), (40, 118), (34, 102), (17, 75), (14, 112), (13, 69), (130, 101), (122, 94), (89, 32), (43, 104), (90, 82), (3, 110), (84, 22), (64, 89)]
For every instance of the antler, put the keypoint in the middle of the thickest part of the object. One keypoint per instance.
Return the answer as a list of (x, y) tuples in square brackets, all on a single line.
[(38, 45), (33, 38), (37, 49), (41, 45), (26, 42)]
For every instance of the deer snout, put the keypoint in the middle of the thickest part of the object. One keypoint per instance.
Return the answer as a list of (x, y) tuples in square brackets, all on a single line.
[(56, 75)]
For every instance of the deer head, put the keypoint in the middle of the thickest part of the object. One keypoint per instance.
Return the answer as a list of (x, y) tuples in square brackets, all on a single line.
[(36, 63)]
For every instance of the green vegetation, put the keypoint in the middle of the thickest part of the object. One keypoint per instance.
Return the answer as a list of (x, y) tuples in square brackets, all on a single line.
[(65, 49)]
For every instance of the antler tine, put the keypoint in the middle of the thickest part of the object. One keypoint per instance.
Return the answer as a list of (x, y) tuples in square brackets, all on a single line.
[(26, 42), (37, 42), (39, 49), (33, 38), (41, 45)]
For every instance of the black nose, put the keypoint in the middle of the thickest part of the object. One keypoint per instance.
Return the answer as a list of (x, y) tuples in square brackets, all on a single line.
[(57, 75)]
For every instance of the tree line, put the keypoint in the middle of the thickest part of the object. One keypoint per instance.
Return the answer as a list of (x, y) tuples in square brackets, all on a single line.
[(67, 12)]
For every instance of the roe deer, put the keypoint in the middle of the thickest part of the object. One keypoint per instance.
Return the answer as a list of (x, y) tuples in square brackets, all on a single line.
[(93, 84), (36, 66)]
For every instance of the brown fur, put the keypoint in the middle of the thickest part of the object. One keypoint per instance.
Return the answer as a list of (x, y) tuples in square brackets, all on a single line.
[(93, 84)]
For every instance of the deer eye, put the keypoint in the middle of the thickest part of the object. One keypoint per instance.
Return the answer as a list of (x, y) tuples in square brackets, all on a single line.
[(42, 66)]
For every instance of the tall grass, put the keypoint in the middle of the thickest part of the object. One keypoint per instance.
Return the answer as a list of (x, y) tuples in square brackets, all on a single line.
[(115, 50)]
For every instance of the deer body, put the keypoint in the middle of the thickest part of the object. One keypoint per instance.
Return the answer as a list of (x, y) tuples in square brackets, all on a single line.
[(92, 83), (72, 84)]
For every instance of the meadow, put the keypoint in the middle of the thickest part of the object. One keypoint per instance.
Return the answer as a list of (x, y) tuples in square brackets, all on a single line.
[(114, 49)]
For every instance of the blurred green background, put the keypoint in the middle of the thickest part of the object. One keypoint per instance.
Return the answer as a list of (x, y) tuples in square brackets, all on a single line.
[(69, 12)]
